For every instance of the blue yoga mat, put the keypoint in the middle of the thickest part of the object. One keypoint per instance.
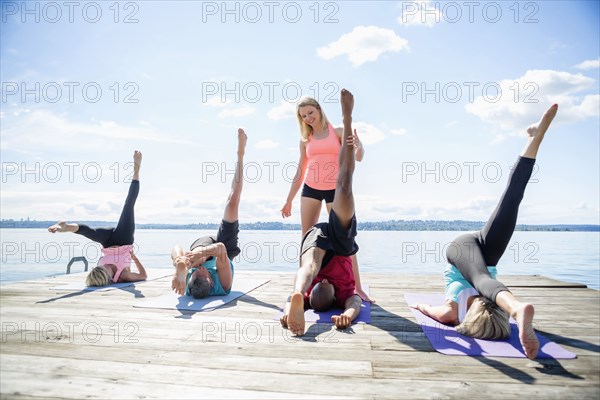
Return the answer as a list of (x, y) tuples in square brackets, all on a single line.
[(324, 317)]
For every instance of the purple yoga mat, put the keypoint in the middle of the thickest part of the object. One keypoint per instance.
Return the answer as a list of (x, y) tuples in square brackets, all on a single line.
[(324, 317), (446, 340)]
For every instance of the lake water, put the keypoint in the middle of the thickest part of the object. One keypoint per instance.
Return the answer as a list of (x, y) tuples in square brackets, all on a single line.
[(567, 256)]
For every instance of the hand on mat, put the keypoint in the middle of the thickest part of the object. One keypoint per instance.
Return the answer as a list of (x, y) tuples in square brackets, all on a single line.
[(283, 321), (341, 321), (178, 284), (363, 295)]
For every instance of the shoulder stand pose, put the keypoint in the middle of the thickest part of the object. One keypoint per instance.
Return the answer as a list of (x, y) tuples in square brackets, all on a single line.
[(207, 269), (475, 301), (318, 169), (325, 276), (117, 243)]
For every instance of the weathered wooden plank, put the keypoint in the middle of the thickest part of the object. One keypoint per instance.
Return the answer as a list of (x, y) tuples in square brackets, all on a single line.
[(241, 351)]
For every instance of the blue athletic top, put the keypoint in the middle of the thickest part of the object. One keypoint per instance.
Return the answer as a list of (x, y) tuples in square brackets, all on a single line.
[(458, 289), (216, 289)]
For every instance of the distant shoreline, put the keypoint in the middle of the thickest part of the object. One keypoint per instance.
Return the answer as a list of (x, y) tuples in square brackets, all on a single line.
[(393, 225)]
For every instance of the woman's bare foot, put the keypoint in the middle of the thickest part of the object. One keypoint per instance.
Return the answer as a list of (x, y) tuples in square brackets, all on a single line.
[(62, 226), (527, 337), (295, 317), (137, 163), (537, 131), (242, 139)]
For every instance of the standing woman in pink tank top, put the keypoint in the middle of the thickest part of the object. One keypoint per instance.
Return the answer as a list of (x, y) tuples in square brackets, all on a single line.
[(318, 169), (117, 243)]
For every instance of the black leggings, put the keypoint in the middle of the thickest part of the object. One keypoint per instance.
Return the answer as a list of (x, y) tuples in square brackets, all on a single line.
[(472, 253), (123, 233)]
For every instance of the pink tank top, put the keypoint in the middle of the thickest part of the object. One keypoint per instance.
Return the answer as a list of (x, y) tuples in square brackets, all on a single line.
[(120, 256), (323, 164)]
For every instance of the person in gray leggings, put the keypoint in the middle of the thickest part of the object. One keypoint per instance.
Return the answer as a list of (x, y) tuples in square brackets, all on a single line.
[(477, 303)]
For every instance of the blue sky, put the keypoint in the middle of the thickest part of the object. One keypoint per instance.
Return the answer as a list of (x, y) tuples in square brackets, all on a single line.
[(444, 92)]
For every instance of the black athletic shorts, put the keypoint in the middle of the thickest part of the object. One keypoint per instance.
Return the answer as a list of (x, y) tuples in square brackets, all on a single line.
[(320, 195), (332, 237), (227, 234)]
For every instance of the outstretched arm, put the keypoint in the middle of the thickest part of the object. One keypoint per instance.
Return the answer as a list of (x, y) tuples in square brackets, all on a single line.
[(128, 276), (351, 311), (286, 210), (446, 314)]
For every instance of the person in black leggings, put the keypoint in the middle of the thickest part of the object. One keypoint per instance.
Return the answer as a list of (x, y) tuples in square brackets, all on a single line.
[(117, 243), (475, 255)]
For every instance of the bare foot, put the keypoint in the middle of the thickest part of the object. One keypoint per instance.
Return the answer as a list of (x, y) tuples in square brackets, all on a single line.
[(137, 162), (347, 100), (538, 129), (58, 227), (176, 252), (178, 282), (295, 317), (527, 336), (536, 132), (242, 139)]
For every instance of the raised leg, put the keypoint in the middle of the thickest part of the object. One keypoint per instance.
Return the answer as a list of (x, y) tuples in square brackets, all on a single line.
[(498, 230), (125, 229), (233, 200), (343, 202)]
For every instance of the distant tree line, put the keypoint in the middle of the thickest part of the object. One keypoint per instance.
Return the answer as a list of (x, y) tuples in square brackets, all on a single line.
[(393, 225)]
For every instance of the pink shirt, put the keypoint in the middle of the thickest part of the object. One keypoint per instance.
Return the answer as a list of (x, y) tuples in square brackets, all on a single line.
[(323, 164), (120, 256)]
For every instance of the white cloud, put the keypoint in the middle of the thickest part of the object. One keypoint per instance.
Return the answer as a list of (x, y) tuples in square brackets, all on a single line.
[(41, 128), (520, 102), (363, 44), (217, 102), (589, 64), (398, 132), (419, 13), (266, 144), (284, 110), (367, 133), (237, 112)]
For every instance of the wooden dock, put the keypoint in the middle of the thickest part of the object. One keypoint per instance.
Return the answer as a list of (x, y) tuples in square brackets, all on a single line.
[(61, 345)]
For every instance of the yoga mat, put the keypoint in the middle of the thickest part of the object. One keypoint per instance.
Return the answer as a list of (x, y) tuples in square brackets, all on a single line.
[(80, 286), (173, 301), (446, 340), (324, 317)]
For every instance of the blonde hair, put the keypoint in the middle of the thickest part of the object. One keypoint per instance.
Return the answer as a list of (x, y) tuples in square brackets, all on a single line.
[(98, 276), (305, 129), (485, 320)]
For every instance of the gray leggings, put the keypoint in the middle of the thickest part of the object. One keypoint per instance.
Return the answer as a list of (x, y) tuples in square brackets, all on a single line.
[(472, 253)]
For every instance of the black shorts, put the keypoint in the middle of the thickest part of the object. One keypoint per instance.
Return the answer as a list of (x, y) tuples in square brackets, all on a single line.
[(332, 237), (316, 194), (227, 234)]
